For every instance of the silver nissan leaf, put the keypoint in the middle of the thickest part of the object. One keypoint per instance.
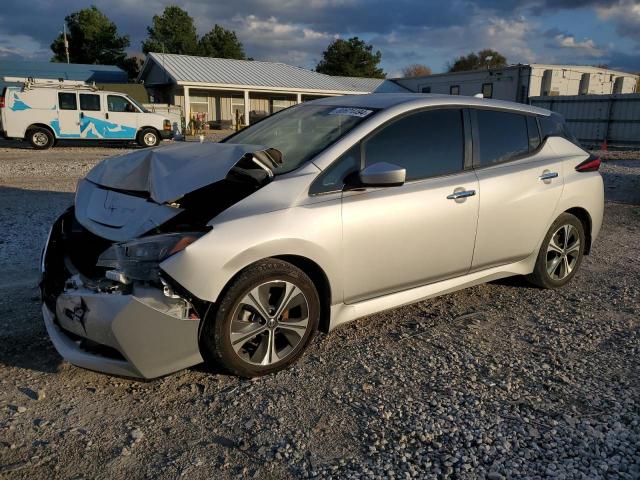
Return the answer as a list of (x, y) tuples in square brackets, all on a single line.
[(236, 252)]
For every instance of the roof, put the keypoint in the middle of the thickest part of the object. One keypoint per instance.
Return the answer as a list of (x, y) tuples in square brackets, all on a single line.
[(209, 71), (66, 71), (416, 100)]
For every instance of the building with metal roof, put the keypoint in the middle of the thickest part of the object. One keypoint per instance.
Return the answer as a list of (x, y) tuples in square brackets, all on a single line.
[(222, 92)]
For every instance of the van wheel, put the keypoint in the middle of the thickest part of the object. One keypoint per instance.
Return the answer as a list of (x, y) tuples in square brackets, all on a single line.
[(561, 253), (148, 137), (40, 138), (264, 321)]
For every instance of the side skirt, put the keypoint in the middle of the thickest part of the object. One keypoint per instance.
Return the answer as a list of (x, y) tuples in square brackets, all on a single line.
[(343, 313)]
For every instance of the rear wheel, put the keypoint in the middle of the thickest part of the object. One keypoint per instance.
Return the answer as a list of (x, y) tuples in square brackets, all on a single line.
[(561, 253), (148, 137), (40, 138), (264, 321)]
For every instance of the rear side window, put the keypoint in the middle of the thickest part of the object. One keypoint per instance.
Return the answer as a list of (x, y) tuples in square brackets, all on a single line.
[(427, 144), (554, 125), (502, 136), (89, 102), (67, 101)]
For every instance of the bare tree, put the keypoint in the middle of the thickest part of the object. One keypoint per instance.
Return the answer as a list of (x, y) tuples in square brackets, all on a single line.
[(416, 70)]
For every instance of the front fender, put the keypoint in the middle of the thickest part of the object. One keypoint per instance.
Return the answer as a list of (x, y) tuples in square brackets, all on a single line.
[(311, 231)]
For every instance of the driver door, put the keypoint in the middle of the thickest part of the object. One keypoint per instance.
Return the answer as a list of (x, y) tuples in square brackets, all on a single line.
[(396, 238), (122, 118)]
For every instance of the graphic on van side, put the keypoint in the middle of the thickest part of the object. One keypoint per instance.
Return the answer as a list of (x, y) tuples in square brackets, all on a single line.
[(19, 104), (96, 128)]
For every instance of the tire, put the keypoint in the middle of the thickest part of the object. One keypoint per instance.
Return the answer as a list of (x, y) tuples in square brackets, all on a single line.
[(40, 138), (237, 337), (557, 261), (148, 137)]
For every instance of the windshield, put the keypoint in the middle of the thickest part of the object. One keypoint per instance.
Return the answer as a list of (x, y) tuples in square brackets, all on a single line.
[(137, 104), (302, 132)]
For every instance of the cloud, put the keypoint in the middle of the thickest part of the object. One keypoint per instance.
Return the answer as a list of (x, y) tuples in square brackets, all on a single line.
[(586, 46), (626, 15)]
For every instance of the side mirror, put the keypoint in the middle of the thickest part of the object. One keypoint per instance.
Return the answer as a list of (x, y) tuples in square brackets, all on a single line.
[(382, 174)]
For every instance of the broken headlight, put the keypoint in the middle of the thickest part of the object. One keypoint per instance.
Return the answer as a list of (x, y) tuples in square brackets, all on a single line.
[(139, 259)]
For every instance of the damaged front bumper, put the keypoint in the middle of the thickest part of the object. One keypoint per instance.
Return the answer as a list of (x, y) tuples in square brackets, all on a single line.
[(135, 330)]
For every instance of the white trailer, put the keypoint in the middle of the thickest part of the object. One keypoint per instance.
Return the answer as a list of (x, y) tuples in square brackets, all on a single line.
[(44, 111)]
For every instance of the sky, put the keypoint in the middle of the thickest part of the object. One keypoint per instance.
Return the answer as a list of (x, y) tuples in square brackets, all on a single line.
[(433, 33)]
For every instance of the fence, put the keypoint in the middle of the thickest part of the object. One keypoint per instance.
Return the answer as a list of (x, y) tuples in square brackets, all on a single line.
[(594, 119)]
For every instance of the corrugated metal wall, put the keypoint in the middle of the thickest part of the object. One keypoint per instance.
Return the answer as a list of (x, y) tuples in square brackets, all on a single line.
[(594, 118)]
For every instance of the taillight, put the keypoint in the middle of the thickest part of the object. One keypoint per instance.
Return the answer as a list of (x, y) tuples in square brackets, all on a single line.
[(4, 92), (591, 164), (166, 125)]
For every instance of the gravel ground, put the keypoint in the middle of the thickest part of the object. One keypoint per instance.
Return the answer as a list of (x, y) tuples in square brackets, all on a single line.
[(498, 381)]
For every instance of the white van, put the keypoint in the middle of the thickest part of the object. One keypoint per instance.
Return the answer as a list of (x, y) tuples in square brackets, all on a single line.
[(43, 111)]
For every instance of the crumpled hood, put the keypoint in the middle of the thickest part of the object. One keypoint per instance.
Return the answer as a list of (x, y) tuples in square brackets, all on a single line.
[(126, 196), (169, 172)]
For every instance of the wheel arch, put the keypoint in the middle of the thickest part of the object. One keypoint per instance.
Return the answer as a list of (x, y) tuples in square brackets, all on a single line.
[(584, 217), (147, 127), (40, 125)]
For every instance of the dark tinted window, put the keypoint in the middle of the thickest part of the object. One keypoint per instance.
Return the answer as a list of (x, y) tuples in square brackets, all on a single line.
[(502, 136), (89, 102), (534, 133), (426, 89), (332, 179), (67, 101), (427, 144)]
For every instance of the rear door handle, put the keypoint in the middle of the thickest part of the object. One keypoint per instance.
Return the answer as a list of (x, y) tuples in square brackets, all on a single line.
[(548, 176), (461, 194)]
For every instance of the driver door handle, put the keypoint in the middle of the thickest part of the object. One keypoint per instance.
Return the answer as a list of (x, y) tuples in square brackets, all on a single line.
[(462, 194)]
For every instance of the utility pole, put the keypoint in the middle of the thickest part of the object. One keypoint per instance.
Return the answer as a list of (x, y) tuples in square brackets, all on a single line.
[(66, 42)]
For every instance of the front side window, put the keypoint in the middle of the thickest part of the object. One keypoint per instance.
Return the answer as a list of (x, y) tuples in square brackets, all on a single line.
[(116, 103), (502, 136), (427, 144), (302, 131), (332, 179), (90, 102), (67, 101)]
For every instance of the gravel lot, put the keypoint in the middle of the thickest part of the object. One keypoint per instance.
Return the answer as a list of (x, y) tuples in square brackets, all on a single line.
[(499, 381)]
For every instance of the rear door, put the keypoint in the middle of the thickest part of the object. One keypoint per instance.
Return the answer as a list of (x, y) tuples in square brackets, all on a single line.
[(397, 238), (68, 124), (122, 117), (521, 182)]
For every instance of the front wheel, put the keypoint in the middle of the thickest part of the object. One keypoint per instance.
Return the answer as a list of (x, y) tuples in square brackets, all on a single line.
[(40, 138), (148, 137), (561, 253), (264, 321)]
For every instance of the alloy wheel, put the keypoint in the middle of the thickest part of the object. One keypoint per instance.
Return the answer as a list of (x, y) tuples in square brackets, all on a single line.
[(269, 322), (563, 252)]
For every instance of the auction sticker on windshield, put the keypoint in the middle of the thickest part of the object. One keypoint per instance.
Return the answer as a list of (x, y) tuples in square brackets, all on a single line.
[(351, 112)]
